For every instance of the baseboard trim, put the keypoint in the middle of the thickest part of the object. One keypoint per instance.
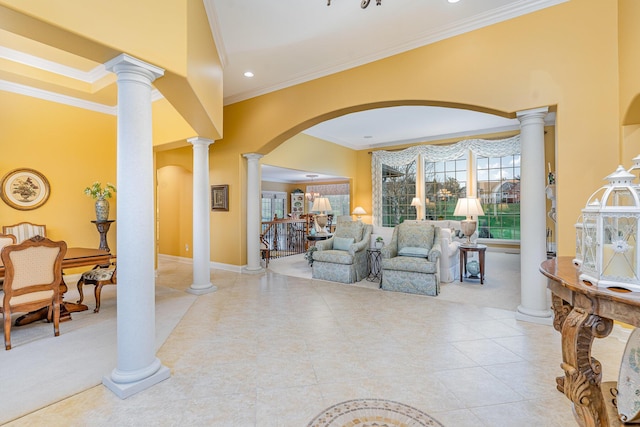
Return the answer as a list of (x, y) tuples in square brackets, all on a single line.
[(216, 265)]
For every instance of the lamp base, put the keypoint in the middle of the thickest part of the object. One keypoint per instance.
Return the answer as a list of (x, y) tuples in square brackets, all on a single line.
[(320, 224), (468, 227)]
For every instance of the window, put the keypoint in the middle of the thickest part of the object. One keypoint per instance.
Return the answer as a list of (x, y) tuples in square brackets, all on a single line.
[(498, 180), (445, 183), (273, 203), (338, 195), (441, 174), (398, 189)]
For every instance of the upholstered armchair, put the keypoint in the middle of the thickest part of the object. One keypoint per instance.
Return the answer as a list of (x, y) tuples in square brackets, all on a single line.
[(410, 262), (343, 257)]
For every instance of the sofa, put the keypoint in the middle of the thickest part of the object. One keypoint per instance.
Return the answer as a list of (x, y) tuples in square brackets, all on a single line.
[(410, 261), (343, 257), (451, 237)]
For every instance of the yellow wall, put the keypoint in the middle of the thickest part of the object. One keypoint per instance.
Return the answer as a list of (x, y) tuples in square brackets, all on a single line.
[(175, 223), (505, 68), (73, 148), (508, 67)]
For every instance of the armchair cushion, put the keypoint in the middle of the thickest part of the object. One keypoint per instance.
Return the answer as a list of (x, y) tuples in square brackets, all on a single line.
[(415, 235), (414, 252), (353, 229), (342, 243)]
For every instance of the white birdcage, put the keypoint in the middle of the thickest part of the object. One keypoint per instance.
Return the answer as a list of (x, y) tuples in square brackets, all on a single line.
[(609, 234)]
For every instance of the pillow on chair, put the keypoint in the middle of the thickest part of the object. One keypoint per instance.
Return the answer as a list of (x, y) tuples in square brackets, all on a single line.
[(342, 243), (414, 252)]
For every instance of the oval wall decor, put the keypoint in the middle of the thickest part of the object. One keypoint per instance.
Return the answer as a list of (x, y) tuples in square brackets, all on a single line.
[(24, 189)]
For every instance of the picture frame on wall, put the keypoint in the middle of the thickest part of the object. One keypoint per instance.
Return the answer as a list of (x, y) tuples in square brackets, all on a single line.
[(220, 197), (24, 189)]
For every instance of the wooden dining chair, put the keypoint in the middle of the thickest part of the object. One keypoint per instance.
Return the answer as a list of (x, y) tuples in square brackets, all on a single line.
[(33, 273), (98, 276), (25, 230)]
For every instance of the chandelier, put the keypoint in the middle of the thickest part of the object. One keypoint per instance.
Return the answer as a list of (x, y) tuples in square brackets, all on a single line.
[(311, 196), (363, 3)]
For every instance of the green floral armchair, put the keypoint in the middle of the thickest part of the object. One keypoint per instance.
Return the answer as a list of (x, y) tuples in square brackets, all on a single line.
[(410, 262), (343, 257)]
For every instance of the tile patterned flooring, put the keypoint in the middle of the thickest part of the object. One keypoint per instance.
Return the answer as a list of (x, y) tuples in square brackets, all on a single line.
[(275, 350)]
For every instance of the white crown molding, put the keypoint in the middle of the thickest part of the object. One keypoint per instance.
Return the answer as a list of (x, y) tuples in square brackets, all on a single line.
[(214, 25), (56, 97), (64, 99), (91, 76), (433, 35)]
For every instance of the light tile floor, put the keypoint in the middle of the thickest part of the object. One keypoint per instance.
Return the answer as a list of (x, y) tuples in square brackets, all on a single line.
[(274, 350)]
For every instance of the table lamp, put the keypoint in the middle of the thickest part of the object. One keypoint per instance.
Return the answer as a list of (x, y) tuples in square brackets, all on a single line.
[(416, 202), (322, 205), (468, 207), (359, 211)]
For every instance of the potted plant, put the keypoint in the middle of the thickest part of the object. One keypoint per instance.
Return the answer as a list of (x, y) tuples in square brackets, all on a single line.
[(100, 195), (309, 255), (379, 242)]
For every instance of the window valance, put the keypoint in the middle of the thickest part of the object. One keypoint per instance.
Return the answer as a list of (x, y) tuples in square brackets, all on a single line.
[(434, 153)]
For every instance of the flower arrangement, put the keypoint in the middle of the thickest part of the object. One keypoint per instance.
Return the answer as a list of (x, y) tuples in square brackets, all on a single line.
[(97, 192)]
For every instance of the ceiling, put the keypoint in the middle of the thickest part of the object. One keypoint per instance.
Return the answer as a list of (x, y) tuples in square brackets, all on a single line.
[(286, 42)]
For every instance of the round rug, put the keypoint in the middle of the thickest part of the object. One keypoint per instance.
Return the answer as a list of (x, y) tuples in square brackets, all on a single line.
[(372, 413)]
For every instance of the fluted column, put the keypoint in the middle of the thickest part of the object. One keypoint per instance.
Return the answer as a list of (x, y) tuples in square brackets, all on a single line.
[(254, 217), (137, 367), (534, 302), (201, 228)]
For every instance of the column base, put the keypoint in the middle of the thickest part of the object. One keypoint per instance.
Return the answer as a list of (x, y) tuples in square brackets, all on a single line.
[(542, 317), (253, 270), (202, 290), (124, 390)]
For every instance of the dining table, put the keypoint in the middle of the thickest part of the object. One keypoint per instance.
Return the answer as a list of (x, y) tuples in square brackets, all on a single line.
[(74, 257)]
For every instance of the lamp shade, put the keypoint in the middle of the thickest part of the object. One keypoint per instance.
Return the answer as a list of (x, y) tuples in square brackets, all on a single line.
[(321, 204), (416, 202), (468, 207), (359, 211)]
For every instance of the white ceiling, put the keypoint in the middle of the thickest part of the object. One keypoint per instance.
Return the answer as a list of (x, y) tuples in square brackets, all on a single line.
[(286, 42)]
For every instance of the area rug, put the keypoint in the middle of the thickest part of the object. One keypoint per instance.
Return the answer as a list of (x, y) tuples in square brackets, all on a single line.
[(42, 369), (372, 413)]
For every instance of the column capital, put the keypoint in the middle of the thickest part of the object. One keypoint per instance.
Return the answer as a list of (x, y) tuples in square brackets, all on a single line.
[(124, 62), (253, 156), (198, 140), (534, 113)]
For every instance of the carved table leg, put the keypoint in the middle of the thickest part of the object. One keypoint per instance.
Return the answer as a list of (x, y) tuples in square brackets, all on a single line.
[(583, 373)]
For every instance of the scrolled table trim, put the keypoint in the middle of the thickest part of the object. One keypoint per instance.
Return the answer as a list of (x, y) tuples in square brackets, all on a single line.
[(583, 312)]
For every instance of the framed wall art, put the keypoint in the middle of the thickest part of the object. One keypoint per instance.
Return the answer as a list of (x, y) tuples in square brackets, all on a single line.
[(24, 189), (220, 197)]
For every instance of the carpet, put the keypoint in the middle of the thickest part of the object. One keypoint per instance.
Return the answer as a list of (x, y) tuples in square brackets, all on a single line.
[(372, 413), (41, 369)]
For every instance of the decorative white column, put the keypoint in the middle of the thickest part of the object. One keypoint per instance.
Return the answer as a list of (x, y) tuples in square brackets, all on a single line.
[(138, 367), (201, 204), (535, 305), (254, 217)]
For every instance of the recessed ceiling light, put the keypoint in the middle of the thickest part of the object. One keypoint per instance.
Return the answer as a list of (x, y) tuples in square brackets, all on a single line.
[(248, 74), (453, 1), (367, 136)]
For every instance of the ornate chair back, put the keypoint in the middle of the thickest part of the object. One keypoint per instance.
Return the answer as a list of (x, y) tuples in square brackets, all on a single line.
[(33, 274)]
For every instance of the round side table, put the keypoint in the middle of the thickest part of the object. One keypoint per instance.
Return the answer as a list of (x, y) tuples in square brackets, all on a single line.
[(464, 249)]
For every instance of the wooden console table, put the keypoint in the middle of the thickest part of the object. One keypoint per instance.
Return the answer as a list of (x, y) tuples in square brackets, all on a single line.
[(584, 312)]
